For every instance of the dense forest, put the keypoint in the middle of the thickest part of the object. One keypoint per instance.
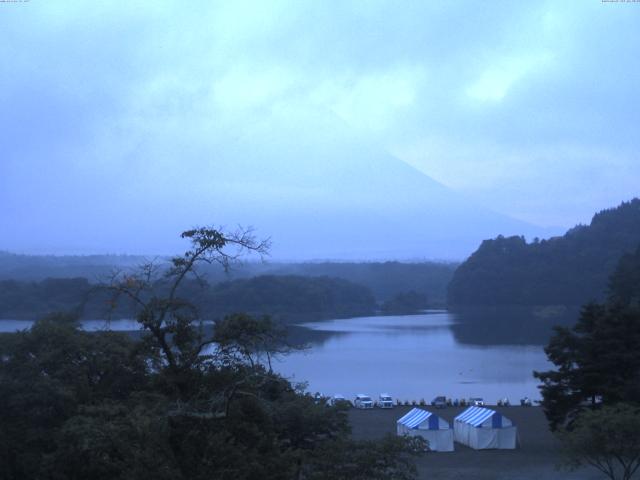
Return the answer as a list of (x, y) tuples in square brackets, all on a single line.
[(568, 270), (287, 297), (384, 279)]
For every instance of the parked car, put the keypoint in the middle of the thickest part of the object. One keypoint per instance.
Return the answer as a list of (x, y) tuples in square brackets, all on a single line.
[(385, 401), (363, 401), (338, 400), (439, 402), (476, 402)]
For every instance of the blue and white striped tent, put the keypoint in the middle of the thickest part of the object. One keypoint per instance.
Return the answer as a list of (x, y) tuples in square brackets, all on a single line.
[(431, 427), (482, 428)]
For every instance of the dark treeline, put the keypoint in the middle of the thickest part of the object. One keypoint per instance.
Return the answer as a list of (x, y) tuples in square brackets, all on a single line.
[(568, 270), (287, 295), (384, 279), (405, 303), (39, 267), (283, 296)]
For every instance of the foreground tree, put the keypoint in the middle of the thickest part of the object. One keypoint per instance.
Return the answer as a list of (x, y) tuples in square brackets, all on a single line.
[(155, 293), (183, 402), (598, 360), (47, 376), (607, 439)]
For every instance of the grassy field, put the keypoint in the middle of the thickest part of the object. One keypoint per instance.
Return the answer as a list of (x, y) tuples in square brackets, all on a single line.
[(536, 458)]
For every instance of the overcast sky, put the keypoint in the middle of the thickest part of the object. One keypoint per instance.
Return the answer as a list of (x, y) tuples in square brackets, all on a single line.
[(528, 108)]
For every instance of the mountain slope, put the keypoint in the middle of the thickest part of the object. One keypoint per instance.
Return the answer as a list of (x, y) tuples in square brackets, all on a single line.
[(321, 192), (572, 269)]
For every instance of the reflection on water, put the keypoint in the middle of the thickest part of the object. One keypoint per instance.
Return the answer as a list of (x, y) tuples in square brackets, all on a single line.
[(510, 325), (489, 353), (460, 354)]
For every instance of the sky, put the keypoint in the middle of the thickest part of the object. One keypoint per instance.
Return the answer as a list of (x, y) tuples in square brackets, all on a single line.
[(116, 109)]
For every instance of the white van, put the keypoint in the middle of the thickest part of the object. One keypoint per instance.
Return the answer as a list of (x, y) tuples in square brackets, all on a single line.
[(385, 401), (363, 401)]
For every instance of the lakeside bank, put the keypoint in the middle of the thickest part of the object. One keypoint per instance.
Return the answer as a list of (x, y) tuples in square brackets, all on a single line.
[(537, 456)]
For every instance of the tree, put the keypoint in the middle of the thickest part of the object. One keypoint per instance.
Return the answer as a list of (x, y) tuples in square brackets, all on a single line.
[(405, 303), (182, 402), (624, 284), (47, 375), (173, 321), (597, 361), (607, 439), (389, 458), (243, 338), (569, 270)]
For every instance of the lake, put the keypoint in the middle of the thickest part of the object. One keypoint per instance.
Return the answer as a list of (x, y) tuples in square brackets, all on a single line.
[(483, 353), (413, 357)]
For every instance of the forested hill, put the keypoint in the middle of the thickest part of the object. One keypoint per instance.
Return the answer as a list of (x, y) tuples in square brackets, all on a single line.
[(385, 279), (570, 270), (287, 297)]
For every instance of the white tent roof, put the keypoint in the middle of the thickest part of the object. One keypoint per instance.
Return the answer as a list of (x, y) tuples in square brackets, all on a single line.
[(476, 416), (417, 416)]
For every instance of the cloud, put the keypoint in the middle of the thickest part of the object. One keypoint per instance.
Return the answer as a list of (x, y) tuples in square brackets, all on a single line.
[(371, 101), (496, 80), (490, 99)]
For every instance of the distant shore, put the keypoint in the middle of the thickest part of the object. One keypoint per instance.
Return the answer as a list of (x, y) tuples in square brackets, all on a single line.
[(535, 459)]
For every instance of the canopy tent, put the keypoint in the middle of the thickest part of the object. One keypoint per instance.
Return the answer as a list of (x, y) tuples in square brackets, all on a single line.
[(429, 426), (482, 428)]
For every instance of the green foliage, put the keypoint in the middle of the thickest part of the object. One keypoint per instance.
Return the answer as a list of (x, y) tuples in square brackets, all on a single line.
[(405, 303), (87, 405), (288, 295), (349, 460), (568, 270), (177, 403), (597, 360), (384, 280), (36, 299), (624, 284), (607, 439), (46, 375)]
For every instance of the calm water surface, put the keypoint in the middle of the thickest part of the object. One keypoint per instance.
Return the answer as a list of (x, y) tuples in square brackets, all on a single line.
[(414, 357), (487, 354)]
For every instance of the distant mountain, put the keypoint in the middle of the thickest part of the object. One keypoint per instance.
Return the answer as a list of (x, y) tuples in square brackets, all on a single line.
[(323, 193), (570, 270), (308, 181)]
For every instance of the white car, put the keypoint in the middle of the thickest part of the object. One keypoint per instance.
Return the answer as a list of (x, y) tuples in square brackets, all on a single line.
[(476, 402), (363, 401), (385, 401)]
